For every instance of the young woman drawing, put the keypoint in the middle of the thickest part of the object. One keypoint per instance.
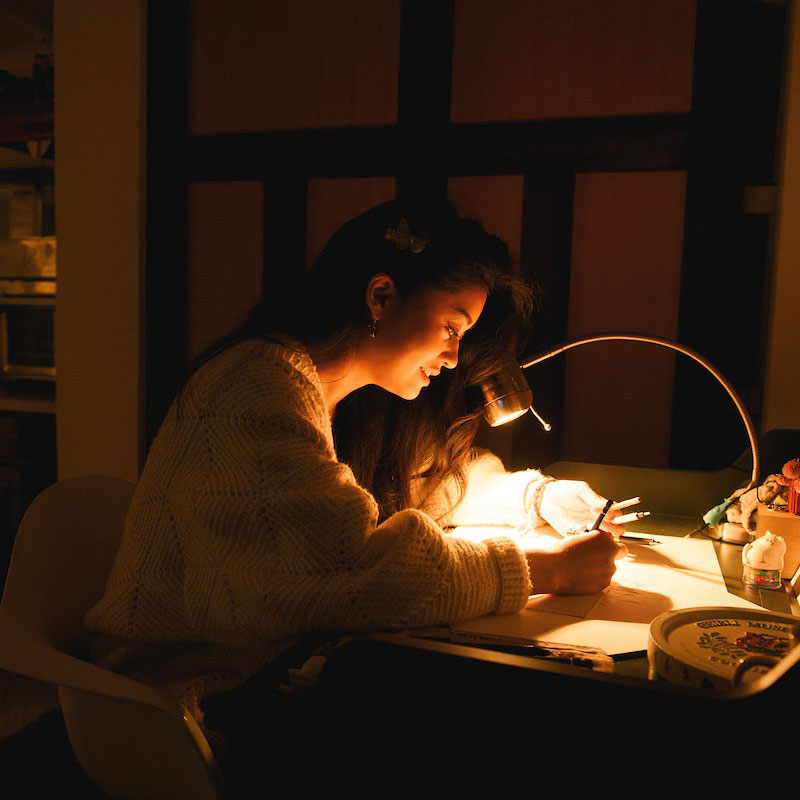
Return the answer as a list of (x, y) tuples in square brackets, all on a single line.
[(302, 478)]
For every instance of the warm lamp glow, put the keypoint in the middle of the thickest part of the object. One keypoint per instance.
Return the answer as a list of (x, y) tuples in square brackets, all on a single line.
[(508, 418)]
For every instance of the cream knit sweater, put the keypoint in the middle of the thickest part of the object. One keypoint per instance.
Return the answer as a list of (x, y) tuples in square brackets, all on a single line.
[(245, 533)]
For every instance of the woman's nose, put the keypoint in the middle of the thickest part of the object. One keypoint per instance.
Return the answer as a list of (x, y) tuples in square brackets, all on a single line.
[(450, 354)]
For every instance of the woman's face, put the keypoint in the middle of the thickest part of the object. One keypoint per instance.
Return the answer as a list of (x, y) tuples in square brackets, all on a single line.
[(418, 337)]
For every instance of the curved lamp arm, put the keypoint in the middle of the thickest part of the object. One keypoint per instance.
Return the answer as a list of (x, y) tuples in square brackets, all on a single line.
[(505, 396)]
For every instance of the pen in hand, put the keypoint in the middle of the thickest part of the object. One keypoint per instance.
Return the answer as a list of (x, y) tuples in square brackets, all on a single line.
[(602, 515)]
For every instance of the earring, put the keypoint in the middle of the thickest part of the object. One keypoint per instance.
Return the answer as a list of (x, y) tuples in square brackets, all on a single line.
[(373, 329)]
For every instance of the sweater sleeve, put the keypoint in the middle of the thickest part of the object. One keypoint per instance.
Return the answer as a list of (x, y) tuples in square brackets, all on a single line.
[(269, 536), (346, 572), (493, 496)]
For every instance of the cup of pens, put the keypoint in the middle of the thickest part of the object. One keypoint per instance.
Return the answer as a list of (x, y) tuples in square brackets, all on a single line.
[(633, 516)]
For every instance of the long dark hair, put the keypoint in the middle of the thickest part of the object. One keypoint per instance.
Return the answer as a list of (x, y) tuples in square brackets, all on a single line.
[(388, 441)]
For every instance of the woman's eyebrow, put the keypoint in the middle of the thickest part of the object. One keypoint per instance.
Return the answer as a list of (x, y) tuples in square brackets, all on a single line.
[(464, 313)]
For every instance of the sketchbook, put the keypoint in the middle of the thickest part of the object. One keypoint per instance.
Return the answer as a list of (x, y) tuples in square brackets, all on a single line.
[(676, 573)]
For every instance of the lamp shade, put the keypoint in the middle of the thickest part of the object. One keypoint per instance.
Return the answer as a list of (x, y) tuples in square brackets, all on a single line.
[(507, 395)]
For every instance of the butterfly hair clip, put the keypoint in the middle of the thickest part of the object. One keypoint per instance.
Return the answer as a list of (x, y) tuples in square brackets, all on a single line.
[(404, 239)]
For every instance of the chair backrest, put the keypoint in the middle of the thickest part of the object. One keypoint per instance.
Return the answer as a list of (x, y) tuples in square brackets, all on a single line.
[(134, 741), (63, 552)]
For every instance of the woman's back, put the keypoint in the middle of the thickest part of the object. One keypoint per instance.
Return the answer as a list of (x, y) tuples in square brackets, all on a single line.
[(246, 533)]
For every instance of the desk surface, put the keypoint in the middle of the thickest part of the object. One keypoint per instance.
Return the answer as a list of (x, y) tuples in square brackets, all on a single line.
[(415, 673), (730, 562), (729, 557)]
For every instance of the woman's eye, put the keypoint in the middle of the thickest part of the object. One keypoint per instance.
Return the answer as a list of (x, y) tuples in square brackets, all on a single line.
[(452, 331)]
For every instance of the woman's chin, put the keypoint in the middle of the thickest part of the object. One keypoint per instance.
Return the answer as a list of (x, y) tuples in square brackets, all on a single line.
[(406, 392)]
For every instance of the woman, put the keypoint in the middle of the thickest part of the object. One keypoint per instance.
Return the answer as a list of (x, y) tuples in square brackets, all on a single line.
[(294, 489)]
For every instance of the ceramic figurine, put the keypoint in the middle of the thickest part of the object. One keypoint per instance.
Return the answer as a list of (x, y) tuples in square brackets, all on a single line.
[(763, 561)]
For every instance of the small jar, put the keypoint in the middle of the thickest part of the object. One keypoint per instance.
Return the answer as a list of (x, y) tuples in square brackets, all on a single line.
[(761, 578)]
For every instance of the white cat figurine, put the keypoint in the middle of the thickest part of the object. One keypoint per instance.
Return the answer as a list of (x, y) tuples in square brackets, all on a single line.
[(766, 552)]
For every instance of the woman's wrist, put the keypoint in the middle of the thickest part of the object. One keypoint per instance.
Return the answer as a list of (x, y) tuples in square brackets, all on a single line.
[(532, 499), (544, 568)]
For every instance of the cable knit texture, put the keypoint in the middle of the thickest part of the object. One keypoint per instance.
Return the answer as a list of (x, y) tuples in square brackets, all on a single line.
[(245, 533)]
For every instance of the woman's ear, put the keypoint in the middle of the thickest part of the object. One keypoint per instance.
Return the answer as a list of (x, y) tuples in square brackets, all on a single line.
[(380, 290)]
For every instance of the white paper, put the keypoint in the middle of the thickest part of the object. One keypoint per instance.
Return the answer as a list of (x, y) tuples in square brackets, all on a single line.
[(676, 573)]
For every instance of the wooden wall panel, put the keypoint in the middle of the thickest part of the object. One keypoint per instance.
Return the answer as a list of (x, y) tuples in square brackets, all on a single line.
[(333, 201), (224, 257), (540, 59), (299, 64), (625, 276), (496, 200)]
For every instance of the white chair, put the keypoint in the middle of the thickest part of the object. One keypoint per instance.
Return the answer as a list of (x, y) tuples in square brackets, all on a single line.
[(132, 740)]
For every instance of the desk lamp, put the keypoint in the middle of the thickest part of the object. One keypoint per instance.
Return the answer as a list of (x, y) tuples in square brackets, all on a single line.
[(509, 396)]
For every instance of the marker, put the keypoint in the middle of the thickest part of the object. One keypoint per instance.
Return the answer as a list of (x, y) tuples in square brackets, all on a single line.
[(632, 501), (630, 517)]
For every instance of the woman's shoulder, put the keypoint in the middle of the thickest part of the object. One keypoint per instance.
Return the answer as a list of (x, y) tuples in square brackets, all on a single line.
[(257, 372), (257, 358)]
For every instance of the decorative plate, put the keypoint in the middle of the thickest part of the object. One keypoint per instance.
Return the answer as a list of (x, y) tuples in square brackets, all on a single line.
[(718, 647)]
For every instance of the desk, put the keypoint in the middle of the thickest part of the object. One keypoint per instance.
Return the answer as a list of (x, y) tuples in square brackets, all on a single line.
[(402, 677), (730, 562), (729, 557), (677, 500), (633, 669), (651, 580)]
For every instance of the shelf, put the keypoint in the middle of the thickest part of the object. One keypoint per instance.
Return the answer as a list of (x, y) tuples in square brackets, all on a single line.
[(28, 401), (26, 123)]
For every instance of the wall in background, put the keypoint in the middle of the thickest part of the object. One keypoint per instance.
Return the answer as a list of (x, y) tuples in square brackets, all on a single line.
[(627, 238), (101, 346), (100, 90), (782, 382), (280, 70), (524, 60), (225, 243), (284, 66)]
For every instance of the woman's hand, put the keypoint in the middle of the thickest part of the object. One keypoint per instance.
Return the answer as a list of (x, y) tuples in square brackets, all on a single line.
[(574, 506), (579, 564)]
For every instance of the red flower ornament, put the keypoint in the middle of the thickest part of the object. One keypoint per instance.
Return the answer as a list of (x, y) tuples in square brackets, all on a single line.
[(791, 469)]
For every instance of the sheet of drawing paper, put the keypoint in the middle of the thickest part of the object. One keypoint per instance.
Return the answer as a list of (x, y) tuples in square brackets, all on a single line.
[(676, 573)]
